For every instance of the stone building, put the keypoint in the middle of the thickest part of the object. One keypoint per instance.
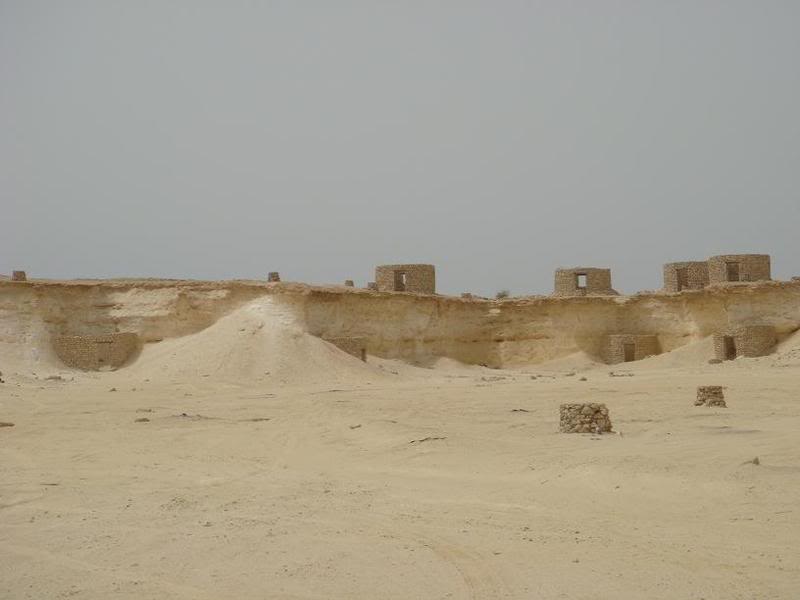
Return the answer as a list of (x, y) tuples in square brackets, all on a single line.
[(18, 276), (739, 267), (680, 276), (95, 352), (747, 340), (417, 279), (621, 348), (356, 346), (583, 281), (273, 277)]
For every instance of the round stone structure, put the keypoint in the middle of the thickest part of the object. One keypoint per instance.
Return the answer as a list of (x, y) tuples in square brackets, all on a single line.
[(621, 348), (19, 276), (413, 278), (739, 267), (746, 340), (584, 418), (583, 281), (691, 275), (95, 352)]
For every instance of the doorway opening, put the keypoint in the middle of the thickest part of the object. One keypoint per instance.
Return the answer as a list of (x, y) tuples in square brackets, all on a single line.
[(729, 347), (630, 352), (580, 281), (683, 278), (732, 271), (399, 281)]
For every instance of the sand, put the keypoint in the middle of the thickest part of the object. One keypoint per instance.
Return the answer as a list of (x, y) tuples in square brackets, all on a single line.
[(250, 461)]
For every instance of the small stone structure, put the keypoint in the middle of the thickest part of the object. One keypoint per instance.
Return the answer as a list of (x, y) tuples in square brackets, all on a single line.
[(583, 281), (748, 340), (739, 267), (95, 352), (349, 283), (584, 418), (692, 275), (372, 286), (18, 276), (710, 395), (628, 347), (466, 295), (417, 279), (357, 346), (274, 277)]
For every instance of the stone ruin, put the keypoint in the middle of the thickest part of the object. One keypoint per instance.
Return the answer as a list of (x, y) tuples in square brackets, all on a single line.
[(583, 281), (679, 276), (372, 286), (415, 278), (739, 267), (349, 283), (18, 276), (695, 275), (274, 277), (584, 418), (747, 340), (621, 348), (710, 395), (356, 346), (96, 352)]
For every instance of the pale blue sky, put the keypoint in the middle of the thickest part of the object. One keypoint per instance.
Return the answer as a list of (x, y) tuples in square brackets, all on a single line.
[(497, 140)]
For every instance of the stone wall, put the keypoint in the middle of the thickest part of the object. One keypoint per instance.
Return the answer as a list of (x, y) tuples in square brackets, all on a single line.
[(692, 275), (598, 282), (739, 267), (357, 346), (627, 347), (95, 352), (749, 340), (710, 395), (584, 418), (417, 279)]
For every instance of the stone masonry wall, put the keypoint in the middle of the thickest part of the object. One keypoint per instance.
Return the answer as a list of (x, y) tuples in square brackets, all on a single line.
[(91, 353), (644, 346), (598, 282), (419, 279), (584, 418), (710, 395), (357, 346), (751, 267), (749, 340), (695, 276)]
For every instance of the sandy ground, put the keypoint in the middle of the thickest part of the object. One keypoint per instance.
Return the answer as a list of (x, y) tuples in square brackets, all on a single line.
[(403, 483)]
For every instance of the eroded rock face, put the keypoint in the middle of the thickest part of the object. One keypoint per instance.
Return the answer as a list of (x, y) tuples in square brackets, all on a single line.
[(584, 418), (710, 395)]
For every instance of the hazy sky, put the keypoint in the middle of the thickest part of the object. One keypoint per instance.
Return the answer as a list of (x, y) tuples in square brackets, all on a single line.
[(497, 139)]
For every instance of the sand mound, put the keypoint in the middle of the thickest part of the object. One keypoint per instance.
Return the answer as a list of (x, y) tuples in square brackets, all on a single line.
[(258, 342)]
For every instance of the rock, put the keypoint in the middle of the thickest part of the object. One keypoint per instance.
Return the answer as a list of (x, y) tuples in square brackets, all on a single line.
[(6, 424), (142, 420)]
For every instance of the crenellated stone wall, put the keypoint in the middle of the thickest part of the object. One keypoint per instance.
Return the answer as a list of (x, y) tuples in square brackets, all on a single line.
[(95, 352), (417, 278)]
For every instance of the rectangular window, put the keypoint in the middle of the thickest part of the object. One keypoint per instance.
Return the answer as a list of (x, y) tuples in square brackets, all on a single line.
[(580, 281)]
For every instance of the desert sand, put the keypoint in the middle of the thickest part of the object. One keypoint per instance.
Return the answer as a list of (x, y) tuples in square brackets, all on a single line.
[(250, 460)]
